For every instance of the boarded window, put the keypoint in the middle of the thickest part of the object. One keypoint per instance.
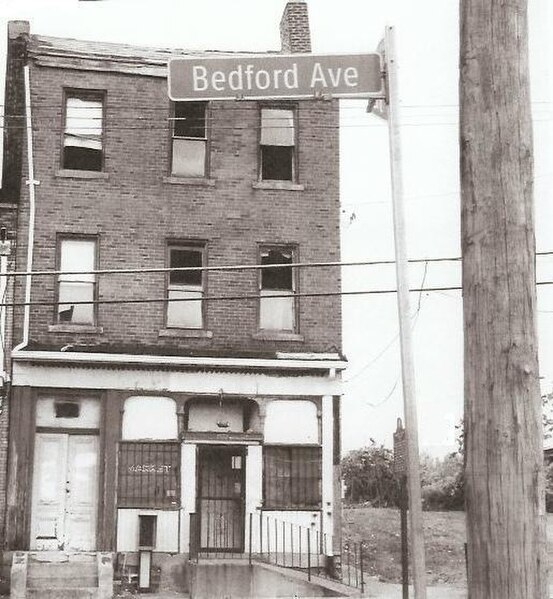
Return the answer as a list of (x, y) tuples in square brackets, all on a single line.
[(278, 144), (277, 309), (147, 417), (149, 475), (186, 288), (291, 477), (189, 153), (77, 283), (291, 421), (82, 140)]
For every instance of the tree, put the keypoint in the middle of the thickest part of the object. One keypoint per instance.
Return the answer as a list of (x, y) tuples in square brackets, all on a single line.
[(503, 428), (368, 474)]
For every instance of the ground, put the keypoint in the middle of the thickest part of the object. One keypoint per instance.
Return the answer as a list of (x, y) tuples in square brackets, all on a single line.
[(444, 543)]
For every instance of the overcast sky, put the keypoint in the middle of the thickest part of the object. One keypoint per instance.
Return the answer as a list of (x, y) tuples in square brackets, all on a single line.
[(427, 37)]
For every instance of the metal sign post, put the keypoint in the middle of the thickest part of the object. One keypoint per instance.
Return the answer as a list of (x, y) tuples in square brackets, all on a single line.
[(404, 312), (400, 470)]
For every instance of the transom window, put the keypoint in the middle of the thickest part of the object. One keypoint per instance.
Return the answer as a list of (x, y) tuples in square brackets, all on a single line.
[(185, 287), (82, 137), (77, 257), (278, 144), (277, 304), (189, 137)]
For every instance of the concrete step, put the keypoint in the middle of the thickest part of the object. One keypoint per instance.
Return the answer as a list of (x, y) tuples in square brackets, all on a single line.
[(56, 569), (66, 593), (60, 582)]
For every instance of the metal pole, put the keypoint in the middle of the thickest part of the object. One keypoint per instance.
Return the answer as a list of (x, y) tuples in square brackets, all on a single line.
[(308, 554), (404, 312), (251, 532), (404, 538)]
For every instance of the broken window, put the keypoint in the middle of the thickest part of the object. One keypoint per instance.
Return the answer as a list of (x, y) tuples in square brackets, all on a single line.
[(277, 309), (189, 152), (77, 282), (82, 139), (292, 477), (186, 286), (278, 139)]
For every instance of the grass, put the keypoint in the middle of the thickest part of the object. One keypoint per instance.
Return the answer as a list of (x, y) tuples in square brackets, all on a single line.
[(444, 534)]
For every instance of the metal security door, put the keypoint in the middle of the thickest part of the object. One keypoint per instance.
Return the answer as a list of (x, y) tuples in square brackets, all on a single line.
[(221, 473)]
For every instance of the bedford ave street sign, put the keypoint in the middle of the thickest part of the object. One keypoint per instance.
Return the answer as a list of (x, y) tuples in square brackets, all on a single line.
[(290, 76)]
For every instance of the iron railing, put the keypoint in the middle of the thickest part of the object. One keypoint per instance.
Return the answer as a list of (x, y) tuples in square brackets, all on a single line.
[(289, 545)]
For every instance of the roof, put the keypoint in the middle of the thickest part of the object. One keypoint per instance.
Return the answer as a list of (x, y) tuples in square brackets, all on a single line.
[(108, 56)]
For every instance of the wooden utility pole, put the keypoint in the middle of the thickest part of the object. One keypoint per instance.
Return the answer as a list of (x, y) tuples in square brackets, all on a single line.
[(504, 439)]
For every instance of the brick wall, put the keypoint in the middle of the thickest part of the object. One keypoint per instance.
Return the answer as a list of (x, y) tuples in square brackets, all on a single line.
[(135, 211), (294, 28)]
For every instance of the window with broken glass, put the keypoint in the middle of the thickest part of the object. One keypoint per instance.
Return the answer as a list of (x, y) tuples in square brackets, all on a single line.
[(278, 144), (77, 282), (277, 303), (82, 137), (185, 288), (189, 139)]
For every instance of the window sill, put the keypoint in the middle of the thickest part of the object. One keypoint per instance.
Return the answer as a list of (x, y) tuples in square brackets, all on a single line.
[(188, 333), (200, 181), (75, 328), (66, 173), (277, 336), (280, 185)]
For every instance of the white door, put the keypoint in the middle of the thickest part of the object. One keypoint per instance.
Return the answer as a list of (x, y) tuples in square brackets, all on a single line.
[(65, 492)]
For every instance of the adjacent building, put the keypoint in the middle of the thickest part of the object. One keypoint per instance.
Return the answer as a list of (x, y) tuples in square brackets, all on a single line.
[(153, 395)]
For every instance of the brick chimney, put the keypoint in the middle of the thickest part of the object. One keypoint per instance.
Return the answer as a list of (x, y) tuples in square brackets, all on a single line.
[(294, 28)]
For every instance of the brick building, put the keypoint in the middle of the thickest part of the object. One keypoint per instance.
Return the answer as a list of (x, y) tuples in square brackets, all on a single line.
[(169, 418)]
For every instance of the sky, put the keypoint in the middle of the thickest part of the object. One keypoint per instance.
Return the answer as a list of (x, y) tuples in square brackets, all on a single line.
[(428, 46)]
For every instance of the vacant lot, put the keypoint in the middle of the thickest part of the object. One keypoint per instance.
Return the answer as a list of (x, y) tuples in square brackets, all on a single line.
[(444, 538)]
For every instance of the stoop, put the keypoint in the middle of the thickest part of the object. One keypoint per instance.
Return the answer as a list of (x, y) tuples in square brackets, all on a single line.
[(61, 575)]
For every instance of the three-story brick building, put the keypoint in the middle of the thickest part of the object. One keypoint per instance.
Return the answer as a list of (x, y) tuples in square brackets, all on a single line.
[(150, 387)]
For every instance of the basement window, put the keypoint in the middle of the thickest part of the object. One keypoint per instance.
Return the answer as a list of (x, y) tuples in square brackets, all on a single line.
[(185, 288), (278, 144), (277, 303), (82, 137), (189, 140)]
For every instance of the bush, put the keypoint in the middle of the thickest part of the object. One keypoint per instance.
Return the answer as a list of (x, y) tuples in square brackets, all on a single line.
[(368, 475)]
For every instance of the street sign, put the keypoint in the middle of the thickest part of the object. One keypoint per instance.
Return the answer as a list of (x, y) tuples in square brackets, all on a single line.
[(292, 76)]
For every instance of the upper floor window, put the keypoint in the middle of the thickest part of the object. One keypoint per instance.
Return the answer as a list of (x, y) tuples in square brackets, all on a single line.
[(82, 136), (76, 283), (186, 286), (189, 139), (278, 144), (277, 304)]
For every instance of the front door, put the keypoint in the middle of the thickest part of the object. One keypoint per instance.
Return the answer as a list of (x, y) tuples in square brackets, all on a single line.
[(221, 473), (65, 492)]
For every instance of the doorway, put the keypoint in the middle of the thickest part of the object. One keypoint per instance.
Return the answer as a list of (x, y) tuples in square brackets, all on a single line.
[(65, 492), (221, 494)]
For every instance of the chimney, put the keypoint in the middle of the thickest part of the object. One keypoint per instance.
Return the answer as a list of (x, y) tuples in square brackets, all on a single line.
[(17, 28), (294, 28)]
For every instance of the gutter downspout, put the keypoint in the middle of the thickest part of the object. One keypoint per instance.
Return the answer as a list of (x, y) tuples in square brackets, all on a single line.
[(31, 182)]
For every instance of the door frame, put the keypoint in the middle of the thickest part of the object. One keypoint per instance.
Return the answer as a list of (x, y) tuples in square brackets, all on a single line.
[(99, 474), (242, 451)]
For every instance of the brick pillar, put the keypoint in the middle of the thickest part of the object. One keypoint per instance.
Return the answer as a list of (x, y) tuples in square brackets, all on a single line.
[(294, 28)]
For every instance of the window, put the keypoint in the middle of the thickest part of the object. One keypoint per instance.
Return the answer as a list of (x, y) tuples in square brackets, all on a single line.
[(187, 286), (277, 310), (77, 284), (82, 137), (291, 477), (278, 140), (189, 152), (149, 474)]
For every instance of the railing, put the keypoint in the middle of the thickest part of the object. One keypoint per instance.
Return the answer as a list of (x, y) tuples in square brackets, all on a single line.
[(286, 544)]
